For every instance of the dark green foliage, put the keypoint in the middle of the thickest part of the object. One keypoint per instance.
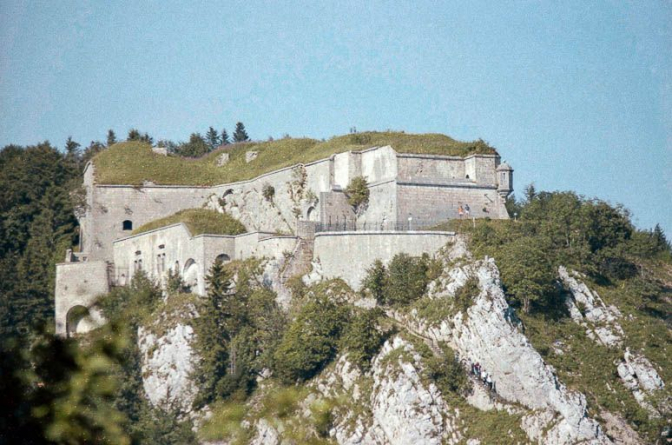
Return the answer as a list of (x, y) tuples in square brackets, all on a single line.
[(212, 137), (111, 138), (376, 281), (465, 295), (447, 372), (59, 393), (527, 274), (224, 139), (402, 282), (136, 136), (363, 338), (240, 134), (358, 192), (310, 341), (195, 148), (237, 332), (268, 192), (37, 224)]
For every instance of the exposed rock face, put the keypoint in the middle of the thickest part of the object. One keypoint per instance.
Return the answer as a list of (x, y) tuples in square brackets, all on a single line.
[(587, 309), (167, 363), (265, 434), (404, 409), (487, 334), (640, 377)]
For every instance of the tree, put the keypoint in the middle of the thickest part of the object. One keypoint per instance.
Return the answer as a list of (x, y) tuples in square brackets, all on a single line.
[(376, 281), (240, 135), (407, 279), (362, 338), (527, 274), (72, 150), (111, 138), (358, 193), (213, 138), (195, 148), (133, 135), (225, 138), (311, 340)]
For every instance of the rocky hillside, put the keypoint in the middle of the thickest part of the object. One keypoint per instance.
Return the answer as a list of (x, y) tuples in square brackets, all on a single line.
[(417, 383)]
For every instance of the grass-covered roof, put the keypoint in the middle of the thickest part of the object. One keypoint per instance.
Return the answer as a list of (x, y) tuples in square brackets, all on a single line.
[(199, 221), (134, 162)]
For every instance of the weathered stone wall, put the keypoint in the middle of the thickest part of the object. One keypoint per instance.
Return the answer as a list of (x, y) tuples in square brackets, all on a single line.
[(112, 205), (347, 255), (79, 284), (434, 203)]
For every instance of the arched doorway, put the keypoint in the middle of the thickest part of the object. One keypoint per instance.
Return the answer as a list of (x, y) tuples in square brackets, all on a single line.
[(78, 321), (311, 214), (190, 274), (223, 258)]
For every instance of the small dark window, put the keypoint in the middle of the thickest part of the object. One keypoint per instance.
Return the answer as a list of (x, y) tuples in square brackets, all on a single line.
[(467, 176), (127, 225)]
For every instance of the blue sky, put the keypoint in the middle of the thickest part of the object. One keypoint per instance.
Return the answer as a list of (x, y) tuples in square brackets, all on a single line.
[(575, 95)]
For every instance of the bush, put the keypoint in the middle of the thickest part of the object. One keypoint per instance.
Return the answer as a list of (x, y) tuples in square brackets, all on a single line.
[(268, 192), (527, 275), (363, 338), (358, 193), (447, 372), (465, 295), (310, 341), (407, 280)]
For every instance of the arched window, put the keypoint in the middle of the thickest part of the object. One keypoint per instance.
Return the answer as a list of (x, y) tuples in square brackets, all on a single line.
[(311, 214), (127, 225), (223, 258)]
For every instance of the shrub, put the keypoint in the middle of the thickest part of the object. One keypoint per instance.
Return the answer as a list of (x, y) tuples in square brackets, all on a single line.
[(465, 295), (375, 281), (527, 274), (268, 192), (447, 372), (407, 280), (358, 193), (363, 338), (310, 341)]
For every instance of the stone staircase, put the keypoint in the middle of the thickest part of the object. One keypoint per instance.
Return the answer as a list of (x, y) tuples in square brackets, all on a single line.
[(300, 261)]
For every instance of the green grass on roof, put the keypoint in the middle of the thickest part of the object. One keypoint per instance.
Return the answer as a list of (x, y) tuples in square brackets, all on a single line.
[(199, 221), (134, 162)]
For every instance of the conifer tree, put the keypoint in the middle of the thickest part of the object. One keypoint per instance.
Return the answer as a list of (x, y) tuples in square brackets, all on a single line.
[(111, 138), (224, 139), (240, 135), (212, 137), (133, 135)]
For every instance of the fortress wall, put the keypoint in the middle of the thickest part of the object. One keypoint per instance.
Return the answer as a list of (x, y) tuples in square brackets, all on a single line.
[(347, 255), (78, 284), (114, 204), (430, 167), (484, 168), (379, 164), (245, 201), (382, 207), (430, 203), (275, 247)]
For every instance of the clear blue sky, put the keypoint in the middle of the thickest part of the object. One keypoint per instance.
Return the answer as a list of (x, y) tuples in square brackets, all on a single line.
[(575, 95)]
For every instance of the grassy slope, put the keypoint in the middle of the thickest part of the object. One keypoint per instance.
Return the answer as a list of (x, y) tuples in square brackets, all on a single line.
[(198, 221), (133, 162)]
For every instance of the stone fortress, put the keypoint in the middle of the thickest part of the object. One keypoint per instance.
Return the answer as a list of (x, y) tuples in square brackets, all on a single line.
[(307, 224)]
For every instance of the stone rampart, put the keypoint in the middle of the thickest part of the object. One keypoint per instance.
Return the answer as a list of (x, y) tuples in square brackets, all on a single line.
[(77, 286), (347, 255)]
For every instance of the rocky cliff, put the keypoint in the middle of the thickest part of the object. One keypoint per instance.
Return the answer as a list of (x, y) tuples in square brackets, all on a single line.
[(403, 397)]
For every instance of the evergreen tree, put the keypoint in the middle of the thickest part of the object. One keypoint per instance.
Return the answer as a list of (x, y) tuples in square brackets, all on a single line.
[(195, 148), (111, 138), (240, 135), (224, 139), (133, 135), (213, 138)]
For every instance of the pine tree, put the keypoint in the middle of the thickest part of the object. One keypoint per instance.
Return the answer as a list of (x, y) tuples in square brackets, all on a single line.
[(240, 135), (224, 139), (133, 135), (212, 137), (73, 153), (111, 138)]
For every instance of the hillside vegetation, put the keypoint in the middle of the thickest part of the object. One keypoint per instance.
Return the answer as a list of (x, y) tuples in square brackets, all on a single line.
[(199, 221), (134, 162)]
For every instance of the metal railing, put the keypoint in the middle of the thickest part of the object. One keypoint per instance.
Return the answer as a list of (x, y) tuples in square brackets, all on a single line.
[(349, 225)]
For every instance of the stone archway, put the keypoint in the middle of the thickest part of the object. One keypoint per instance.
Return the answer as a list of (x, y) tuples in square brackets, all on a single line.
[(79, 321), (190, 274), (311, 214), (224, 258)]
